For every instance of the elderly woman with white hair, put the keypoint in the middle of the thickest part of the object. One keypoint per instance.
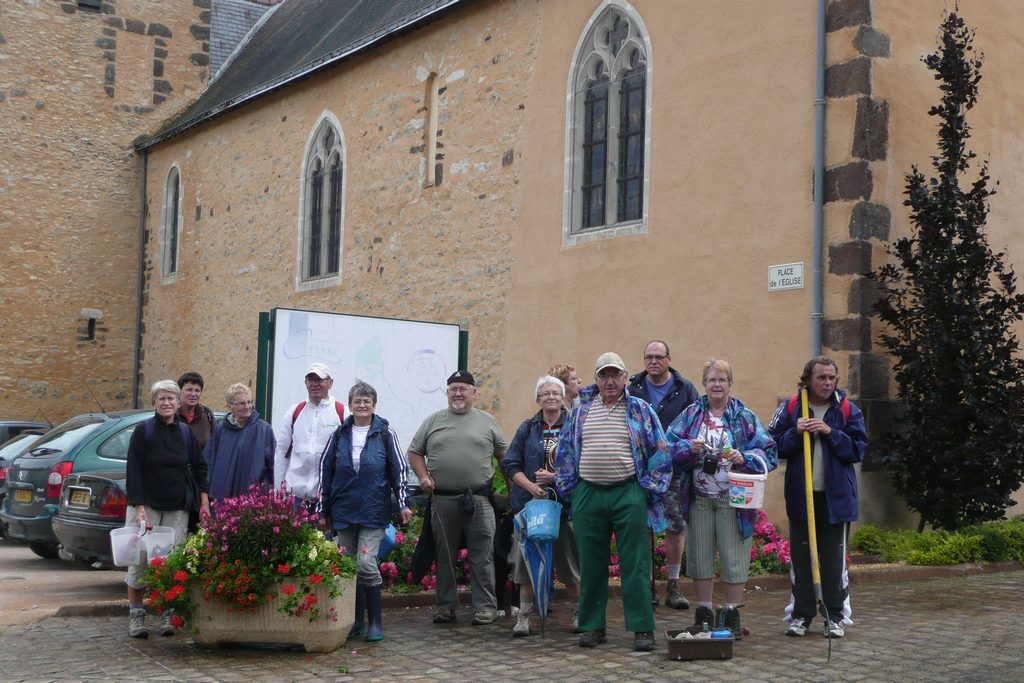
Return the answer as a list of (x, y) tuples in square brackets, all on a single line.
[(165, 469), (240, 452), (529, 465)]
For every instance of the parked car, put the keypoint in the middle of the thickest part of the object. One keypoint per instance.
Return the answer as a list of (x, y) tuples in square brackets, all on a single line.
[(91, 505), (95, 501), (11, 428), (86, 443), (8, 451)]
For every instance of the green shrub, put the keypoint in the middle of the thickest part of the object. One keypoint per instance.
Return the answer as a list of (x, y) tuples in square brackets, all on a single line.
[(868, 539), (995, 542), (948, 549), (1001, 541)]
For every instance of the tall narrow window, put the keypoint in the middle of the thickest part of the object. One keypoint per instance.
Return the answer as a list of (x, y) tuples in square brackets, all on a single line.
[(171, 225), (431, 176), (607, 115), (322, 210)]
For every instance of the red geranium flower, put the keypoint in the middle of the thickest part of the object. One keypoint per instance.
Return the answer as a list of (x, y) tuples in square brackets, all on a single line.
[(177, 621), (180, 576), (283, 568), (315, 579), (288, 589)]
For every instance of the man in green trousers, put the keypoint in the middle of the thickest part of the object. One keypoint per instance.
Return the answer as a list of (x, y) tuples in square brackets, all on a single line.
[(613, 465)]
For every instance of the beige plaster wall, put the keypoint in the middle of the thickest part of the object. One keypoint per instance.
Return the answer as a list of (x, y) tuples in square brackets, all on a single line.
[(75, 89)]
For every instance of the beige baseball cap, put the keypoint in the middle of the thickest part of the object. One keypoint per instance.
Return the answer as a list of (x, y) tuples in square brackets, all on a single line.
[(609, 360)]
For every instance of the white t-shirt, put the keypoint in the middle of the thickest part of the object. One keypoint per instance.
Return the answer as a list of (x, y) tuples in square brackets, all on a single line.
[(716, 438), (358, 443)]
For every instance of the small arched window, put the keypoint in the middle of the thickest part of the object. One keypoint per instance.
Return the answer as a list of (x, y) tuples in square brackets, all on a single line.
[(171, 226), (608, 114), (322, 210)]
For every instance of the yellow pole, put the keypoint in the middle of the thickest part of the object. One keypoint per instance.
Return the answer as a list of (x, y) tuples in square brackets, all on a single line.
[(809, 489)]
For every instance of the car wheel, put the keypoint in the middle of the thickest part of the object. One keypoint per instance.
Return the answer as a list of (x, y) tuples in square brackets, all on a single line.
[(46, 551)]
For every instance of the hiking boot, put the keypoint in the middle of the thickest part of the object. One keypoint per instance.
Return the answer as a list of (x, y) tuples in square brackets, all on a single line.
[(834, 629), (522, 627), (643, 641), (703, 617), (593, 638), (673, 598), (483, 617), (576, 618), (444, 616), (137, 623), (729, 617), (166, 627), (798, 627)]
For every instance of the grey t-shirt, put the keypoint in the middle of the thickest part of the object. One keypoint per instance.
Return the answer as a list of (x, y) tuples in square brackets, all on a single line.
[(458, 448)]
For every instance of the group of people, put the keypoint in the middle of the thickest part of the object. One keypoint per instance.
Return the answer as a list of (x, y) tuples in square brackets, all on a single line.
[(626, 456), (180, 460)]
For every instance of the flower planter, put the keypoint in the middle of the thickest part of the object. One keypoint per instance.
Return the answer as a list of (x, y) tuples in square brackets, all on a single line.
[(216, 625)]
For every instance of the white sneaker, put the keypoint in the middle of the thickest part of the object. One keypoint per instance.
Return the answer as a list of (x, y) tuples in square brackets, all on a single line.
[(798, 627), (522, 627), (833, 630)]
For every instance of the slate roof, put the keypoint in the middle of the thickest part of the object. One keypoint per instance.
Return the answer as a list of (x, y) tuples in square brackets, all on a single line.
[(296, 39)]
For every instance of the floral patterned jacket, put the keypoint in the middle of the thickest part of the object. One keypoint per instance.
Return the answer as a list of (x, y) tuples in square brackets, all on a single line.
[(744, 428), (646, 439)]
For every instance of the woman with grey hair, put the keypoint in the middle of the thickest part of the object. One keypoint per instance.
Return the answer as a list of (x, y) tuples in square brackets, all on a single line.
[(163, 457), (529, 465), (240, 451), (361, 467)]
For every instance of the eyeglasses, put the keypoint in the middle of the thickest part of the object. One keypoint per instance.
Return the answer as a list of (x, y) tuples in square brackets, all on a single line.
[(459, 390), (243, 403), (362, 401), (716, 380), (550, 394), (167, 399), (648, 359)]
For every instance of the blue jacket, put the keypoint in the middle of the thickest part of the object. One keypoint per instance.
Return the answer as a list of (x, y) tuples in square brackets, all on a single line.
[(363, 498), (526, 454), (682, 394), (840, 450), (651, 462), (238, 457), (748, 436)]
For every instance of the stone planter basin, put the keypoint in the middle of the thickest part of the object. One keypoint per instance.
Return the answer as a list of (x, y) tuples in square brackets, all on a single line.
[(265, 625)]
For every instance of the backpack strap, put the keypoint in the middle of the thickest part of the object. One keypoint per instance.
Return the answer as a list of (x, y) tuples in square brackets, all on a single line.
[(295, 416), (339, 408)]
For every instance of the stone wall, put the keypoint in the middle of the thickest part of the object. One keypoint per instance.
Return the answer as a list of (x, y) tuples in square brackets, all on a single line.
[(76, 87)]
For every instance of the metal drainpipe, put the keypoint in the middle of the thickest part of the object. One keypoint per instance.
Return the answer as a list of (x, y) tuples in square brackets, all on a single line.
[(819, 181), (139, 282)]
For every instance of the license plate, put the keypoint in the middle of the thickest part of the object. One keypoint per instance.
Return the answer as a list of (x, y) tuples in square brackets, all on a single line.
[(23, 496), (80, 497)]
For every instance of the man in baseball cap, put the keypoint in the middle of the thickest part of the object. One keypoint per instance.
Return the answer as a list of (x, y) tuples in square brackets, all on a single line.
[(302, 433), (612, 463)]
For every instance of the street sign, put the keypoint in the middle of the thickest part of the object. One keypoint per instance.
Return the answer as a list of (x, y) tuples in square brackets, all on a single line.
[(785, 276)]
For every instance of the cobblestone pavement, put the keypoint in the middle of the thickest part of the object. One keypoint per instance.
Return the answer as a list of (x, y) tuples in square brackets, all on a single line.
[(948, 629)]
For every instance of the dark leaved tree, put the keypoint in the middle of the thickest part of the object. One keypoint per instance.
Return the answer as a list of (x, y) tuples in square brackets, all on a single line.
[(951, 305)]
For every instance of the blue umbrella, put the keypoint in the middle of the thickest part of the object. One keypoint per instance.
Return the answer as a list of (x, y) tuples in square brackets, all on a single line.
[(538, 566)]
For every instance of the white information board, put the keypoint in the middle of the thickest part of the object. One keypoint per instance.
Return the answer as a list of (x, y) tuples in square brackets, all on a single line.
[(785, 276), (406, 361)]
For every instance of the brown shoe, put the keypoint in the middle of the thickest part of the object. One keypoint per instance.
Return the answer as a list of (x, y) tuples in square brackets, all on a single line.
[(673, 598)]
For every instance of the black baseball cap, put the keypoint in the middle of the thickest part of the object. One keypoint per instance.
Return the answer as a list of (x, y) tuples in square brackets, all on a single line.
[(461, 376)]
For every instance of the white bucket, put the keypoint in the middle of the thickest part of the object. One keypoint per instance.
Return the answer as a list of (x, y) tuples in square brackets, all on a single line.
[(126, 544), (159, 541), (747, 490)]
